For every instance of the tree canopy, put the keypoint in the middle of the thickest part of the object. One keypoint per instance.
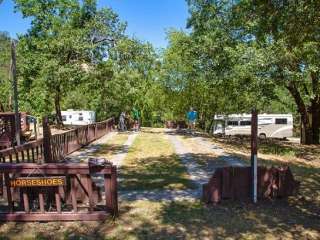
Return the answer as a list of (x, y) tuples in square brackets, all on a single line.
[(235, 55)]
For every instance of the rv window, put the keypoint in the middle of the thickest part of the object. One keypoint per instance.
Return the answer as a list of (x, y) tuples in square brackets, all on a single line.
[(70, 116), (245, 123), (64, 118), (80, 118), (281, 121), (233, 123)]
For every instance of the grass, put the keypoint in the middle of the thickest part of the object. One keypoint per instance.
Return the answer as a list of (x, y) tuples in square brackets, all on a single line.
[(111, 148), (184, 220), (152, 157), (152, 164), (275, 148), (206, 158)]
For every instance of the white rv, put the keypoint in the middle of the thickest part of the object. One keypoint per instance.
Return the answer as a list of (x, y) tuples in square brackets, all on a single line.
[(81, 117), (269, 125)]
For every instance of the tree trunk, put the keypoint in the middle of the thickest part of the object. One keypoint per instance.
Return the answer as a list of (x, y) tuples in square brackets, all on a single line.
[(1, 107), (306, 136), (315, 121), (310, 131), (310, 117), (58, 109)]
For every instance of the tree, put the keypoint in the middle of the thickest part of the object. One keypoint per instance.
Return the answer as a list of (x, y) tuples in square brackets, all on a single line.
[(5, 86), (254, 50), (64, 37), (290, 32)]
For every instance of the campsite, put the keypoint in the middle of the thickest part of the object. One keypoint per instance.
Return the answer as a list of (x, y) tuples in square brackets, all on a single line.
[(184, 119)]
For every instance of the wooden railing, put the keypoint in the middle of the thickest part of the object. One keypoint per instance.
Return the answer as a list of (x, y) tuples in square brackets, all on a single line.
[(32, 192), (61, 144)]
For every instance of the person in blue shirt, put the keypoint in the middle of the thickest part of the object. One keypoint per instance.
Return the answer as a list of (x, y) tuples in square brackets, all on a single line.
[(192, 116)]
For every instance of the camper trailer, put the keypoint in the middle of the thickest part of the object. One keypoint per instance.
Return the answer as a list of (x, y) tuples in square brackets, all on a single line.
[(269, 125), (81, 117)]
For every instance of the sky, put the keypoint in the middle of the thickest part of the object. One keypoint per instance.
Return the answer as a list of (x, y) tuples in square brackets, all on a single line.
[(148, 20)]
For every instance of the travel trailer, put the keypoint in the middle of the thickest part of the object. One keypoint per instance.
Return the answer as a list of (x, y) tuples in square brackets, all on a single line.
[(269, 125), (81, 117)]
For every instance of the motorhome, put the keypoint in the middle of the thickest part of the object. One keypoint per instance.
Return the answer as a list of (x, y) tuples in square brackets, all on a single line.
[(269, 125), (78, 117)]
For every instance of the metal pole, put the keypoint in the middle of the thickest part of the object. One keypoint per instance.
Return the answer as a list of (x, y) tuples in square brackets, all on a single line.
[(15, 92), (254, 153)]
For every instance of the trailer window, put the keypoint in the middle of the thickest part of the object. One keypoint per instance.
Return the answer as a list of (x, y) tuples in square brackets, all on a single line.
[(233, 123), (245, 123), (80, 118), (281, 121), (64, 118)]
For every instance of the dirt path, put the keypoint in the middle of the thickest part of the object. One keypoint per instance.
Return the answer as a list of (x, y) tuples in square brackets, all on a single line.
[(188, 156), (118, 158), (200, 174), (88, 151)]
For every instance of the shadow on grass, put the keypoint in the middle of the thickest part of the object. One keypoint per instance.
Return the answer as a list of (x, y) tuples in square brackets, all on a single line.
[(110, 149), (266, 146), (163, 172), (297, 217), (274, 146)]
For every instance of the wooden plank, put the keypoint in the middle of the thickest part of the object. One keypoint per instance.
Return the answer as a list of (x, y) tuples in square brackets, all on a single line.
[(22, 156), (9, 195), (41, 202), (90, 193), (58, 200), (74, 194), (32, 154), (59, 168), (114, 191), (28, 155), (111, 194), (107, 191), (37, 153), (53, 216), (25, 201)]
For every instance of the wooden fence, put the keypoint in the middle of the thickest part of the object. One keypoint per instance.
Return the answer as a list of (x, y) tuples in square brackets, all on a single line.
[(61, 144), (57, 192)]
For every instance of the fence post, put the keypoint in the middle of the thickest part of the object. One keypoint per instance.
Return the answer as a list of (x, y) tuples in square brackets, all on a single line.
[(254, 151), (47, 151), (111, 191)]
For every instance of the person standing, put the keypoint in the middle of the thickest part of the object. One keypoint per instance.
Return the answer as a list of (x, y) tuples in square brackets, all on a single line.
[(136, 119), (122, 122), (192, 116)]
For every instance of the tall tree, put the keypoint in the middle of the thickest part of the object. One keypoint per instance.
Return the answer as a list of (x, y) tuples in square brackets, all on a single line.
[(5, 86), (65, 38), (289, 30)]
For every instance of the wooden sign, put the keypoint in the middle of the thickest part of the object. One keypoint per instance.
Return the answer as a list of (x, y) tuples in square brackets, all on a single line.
[(38, 181)]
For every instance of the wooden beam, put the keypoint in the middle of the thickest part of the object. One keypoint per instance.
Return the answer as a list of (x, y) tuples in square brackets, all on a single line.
[(53, 216)]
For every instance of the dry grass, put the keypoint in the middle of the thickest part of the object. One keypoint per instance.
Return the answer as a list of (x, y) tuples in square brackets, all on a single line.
[(206, 158), (151, 157), (182, 220)]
